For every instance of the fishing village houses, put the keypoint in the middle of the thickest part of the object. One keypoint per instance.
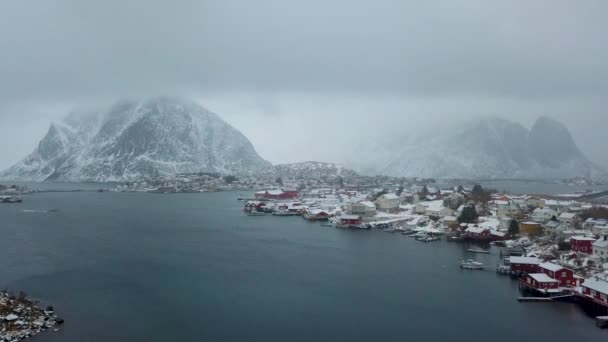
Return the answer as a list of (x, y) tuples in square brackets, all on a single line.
[(553, 247)]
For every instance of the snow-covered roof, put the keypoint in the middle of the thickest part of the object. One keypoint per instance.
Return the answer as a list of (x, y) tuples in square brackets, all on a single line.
[(450, 218), (489, 223), (501, 202), (542, 278), (582, 238), (538, 211), (524, 260), (596, 221), (349, 217), (497, 233), (550, 266), (390, 196), (597, 284), (601, 243), (433, 205), (475, 230), (567, 216), (368, 204), (530, 223), (552, 224)]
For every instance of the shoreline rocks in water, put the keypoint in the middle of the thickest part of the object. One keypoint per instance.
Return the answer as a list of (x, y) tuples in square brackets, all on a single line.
[(21, 318)]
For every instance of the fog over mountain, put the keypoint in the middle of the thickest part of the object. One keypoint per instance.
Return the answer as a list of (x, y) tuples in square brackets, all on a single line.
[(481, 148), (316, 79), (159, 137)]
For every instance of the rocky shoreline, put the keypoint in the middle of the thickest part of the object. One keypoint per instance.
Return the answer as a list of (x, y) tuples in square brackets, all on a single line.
[(21, 317)]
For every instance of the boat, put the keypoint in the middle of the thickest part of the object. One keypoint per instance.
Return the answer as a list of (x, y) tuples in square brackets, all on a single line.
[(362, 226), (424, 237), (10, 199), (477, 250), (471, 265), (428, 238), (255, 213)]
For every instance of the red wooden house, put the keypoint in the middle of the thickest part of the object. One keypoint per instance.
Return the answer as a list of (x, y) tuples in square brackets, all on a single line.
[(349, 221), (477, 233), (582, 244), (597, 289), (563, 275), (540, 281), (524, 264)]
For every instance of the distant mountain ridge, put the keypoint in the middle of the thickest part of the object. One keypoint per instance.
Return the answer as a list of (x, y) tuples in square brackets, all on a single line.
[(485, 148), (157, 137)]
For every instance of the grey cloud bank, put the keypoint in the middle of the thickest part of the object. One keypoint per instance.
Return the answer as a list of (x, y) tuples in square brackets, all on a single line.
[(272, 68)]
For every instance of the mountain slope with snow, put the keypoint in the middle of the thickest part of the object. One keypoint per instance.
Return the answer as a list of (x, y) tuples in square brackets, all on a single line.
[(158, 137), (485, 148), (313, 170)]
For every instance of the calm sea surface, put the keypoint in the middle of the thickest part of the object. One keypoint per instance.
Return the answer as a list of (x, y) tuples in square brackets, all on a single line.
[(192, 267)]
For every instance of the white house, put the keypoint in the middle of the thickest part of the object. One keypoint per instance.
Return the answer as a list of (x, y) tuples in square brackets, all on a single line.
[(364, 209), (507, 209), (591, 222), (421, 208), (542, 215), (600, 248), (567, 218), (436, 209), (600, 230), (387, 202)]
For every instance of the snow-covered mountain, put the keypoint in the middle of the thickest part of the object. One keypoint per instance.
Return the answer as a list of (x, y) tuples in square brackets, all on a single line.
[(484, 148), (132, 140), (313, 170)]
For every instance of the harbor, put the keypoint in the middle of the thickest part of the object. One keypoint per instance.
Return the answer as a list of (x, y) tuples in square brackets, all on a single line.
[(206, 252)]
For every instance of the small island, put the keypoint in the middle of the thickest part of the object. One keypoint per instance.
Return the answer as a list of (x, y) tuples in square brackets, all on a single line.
[(21, 317)]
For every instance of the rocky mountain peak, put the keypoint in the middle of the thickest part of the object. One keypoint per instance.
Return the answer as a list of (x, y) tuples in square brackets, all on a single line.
[(156, 137)]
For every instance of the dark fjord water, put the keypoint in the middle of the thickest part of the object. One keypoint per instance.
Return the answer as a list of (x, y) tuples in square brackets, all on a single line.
[(192, 267)]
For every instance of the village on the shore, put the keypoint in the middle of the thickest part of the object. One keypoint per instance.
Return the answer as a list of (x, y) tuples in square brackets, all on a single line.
[(556, 246)]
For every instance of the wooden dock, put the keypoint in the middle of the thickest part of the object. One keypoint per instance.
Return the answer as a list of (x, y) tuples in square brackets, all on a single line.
[(542, 299), (534, 299)]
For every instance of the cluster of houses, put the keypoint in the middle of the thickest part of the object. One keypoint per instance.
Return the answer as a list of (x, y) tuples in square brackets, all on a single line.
[(554, 279)]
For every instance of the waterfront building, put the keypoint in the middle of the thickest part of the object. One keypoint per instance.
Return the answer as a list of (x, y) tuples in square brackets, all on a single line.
[(388, 203), (583, 244), (364, 209), (564, 275), (540, 281), (596, 289), (524, 264)]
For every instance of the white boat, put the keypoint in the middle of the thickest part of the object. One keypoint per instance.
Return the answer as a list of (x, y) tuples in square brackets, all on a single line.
[(476, 250), (426, 237), (471, 265), (256, 213)]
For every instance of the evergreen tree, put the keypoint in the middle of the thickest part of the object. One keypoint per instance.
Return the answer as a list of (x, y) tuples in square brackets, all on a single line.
[(279, 181), (468, 215), (513, 228), (399, 190), (477, 190), (229, 179), (424, 192)]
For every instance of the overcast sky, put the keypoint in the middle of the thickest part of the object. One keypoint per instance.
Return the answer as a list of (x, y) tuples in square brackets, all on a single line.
[(295, 67)]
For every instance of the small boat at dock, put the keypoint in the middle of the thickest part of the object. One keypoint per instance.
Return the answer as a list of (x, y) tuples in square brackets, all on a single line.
[(477, 250), (471, 265)]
